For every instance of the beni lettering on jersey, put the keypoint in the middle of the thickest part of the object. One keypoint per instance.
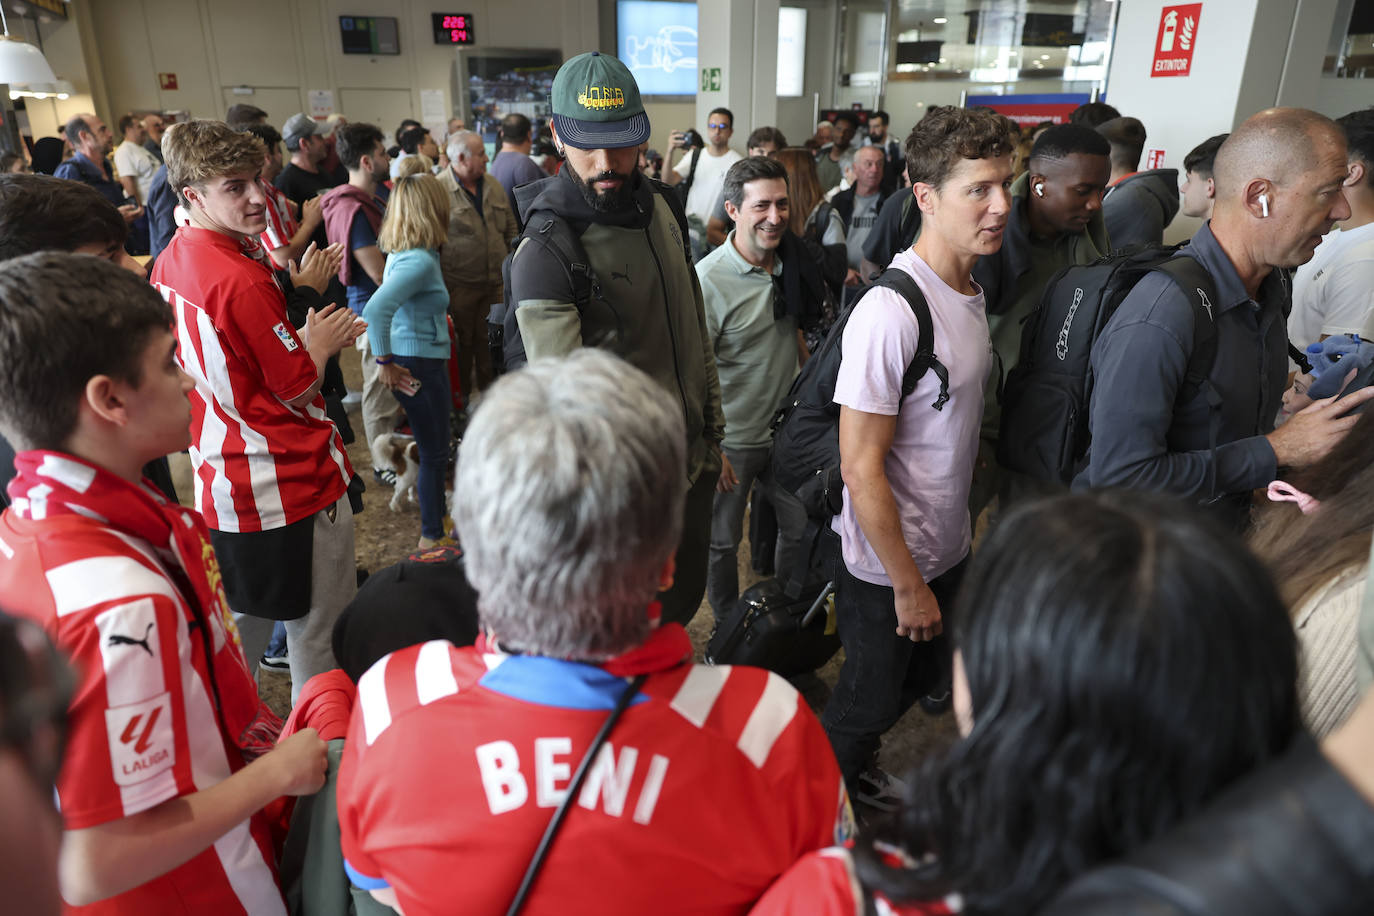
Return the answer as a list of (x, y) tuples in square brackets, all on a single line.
[(608, 782)]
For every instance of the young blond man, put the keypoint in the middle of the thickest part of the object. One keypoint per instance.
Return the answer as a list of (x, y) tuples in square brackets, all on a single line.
[(271, 473)]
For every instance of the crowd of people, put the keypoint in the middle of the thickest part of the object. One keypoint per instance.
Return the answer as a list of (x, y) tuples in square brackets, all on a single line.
[(1154, 652)]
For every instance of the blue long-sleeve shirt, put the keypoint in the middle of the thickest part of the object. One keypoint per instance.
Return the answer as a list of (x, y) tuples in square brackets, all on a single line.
[(408, 314), (1143, 436)]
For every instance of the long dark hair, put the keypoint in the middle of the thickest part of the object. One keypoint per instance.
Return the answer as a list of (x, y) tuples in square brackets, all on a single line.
[(1305, 551), (1126, 659)]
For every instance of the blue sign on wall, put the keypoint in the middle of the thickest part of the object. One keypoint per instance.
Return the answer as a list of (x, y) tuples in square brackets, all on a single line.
[(657, 40)]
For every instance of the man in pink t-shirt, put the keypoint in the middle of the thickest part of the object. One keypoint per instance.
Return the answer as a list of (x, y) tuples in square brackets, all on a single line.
[(907, 466)]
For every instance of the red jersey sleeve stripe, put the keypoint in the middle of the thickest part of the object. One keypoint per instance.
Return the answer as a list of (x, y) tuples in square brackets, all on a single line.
[(80, 584)]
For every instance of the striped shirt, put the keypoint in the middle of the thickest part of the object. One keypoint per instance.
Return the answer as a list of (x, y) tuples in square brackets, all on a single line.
[(704, 759), (281, 218), (142, 726), (259, 464)]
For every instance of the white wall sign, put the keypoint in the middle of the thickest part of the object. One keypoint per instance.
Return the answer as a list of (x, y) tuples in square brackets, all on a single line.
[(791, 50), (321, 102)]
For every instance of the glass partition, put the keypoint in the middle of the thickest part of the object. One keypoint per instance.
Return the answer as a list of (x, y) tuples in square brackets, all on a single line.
[(1350, 52)]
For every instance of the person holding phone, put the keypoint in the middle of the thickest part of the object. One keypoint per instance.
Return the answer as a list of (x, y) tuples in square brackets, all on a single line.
[(408, 329)]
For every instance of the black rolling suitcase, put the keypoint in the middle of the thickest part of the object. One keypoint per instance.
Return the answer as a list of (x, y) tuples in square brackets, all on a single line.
[(769, 629)]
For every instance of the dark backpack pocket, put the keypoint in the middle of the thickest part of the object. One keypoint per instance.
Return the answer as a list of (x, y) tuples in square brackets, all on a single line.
[(1043, 416)]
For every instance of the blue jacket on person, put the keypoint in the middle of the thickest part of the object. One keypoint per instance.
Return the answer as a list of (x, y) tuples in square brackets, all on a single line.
[(408, 314), (1143, 436)]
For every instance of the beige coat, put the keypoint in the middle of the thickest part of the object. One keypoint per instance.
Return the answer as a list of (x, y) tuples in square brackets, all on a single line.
[(477, 243)]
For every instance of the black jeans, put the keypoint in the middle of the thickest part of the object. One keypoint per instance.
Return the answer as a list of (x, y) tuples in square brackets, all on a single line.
[(883, 673)]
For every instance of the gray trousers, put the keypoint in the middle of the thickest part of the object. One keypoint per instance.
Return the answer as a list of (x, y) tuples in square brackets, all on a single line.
[(379, 405), (727, 527), (333, 583)]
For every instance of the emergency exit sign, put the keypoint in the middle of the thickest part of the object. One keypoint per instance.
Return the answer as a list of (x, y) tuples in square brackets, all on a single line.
[(1176, 40)]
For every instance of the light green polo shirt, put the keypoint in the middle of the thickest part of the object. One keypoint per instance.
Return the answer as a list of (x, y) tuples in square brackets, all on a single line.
[(756, 354)]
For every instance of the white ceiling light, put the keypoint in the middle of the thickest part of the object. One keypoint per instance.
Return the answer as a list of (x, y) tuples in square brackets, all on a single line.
[(60, 89), (939, 20), (21, 62)]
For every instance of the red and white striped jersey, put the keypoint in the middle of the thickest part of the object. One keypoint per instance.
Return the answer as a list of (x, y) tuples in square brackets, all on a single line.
[(142, 725), (281, 218), (259, 464), (713, 782)]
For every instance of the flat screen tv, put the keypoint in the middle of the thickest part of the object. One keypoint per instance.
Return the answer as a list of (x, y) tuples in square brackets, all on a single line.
[(370, 35), (657, 40)]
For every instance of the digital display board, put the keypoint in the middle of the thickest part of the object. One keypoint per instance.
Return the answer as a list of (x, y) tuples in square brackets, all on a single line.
[(370, 35), (657, 40), (452, 28)]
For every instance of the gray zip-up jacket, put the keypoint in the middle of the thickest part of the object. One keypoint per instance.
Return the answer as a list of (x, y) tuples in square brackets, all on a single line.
[(1143, 436), (646, 303)]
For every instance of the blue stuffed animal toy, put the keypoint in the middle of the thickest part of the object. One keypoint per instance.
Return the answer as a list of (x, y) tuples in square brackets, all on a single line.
[(1332, 359)]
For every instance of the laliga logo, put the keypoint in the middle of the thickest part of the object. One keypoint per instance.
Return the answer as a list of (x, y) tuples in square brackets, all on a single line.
[(1061, 346), (601, 97)]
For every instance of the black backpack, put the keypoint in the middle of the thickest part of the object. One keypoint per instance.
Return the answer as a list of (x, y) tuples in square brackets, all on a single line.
[(1044, 432), (806, 430), (547, 228)]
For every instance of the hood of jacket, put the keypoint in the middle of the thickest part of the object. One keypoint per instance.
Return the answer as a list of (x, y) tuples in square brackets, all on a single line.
[(1161, 184), (561, 194)]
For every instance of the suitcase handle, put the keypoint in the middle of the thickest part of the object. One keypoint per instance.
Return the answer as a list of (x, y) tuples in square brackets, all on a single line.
[(816, 605)]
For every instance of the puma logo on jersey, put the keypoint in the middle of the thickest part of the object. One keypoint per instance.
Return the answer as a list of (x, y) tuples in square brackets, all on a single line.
[(617, 275), (607, 784), (117, 640)]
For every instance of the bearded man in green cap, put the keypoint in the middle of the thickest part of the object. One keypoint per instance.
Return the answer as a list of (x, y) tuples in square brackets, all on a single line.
[(604, 262)]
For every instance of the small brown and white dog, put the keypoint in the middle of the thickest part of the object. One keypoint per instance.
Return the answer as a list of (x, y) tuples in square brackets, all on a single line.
[(403, 457)]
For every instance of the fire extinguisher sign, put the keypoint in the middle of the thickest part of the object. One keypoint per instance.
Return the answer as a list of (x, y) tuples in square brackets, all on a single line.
[(1176, 40)]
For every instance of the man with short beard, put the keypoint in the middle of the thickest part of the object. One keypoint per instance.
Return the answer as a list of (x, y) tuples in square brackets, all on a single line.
[(645, 303)]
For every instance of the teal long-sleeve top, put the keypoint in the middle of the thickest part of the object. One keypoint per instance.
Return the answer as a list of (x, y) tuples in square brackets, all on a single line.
[(408, 314)]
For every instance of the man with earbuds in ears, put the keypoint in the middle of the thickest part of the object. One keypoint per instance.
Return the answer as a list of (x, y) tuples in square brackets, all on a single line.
[(1278, 190), (1056, 221)]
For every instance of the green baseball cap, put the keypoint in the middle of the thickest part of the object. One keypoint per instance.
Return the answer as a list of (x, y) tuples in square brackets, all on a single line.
[(596, 104)]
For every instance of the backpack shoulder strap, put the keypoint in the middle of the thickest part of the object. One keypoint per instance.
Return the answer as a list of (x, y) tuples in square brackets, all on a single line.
[(1192, 278), (548, 229), (668, 194), (1196, 283), (925, 359)]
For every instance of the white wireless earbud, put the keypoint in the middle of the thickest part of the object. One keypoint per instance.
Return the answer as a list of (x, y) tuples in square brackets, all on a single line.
[(1264, 204), (1040, 189)]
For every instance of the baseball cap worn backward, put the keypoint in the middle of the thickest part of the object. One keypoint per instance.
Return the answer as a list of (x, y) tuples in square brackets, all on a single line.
[(596, 104)]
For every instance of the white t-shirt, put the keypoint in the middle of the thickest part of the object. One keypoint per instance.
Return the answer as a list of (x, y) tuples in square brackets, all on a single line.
[(709, 181), (930, 464), (133, 161), (1334, 292)]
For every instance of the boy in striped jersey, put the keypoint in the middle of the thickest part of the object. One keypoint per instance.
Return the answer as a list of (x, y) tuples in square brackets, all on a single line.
[(569, 500), (271, 472), (158, 796)]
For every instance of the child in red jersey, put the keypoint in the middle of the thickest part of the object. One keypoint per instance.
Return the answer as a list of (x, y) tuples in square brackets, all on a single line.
[(164, 771)]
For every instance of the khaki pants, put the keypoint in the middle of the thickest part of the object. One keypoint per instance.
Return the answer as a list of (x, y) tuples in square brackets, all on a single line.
[(469, 305), (379, 405)]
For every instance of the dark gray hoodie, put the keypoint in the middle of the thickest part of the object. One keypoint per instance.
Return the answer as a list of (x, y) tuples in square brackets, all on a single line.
[(1139, 206), (646, 303)]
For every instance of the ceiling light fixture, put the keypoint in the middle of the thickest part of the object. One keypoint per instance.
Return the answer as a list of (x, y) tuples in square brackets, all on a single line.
[(939, 20), (21, 62)]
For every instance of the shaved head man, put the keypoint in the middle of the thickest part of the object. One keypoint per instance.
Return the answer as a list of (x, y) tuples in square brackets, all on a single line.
[(1278, 190), (1278, 184)]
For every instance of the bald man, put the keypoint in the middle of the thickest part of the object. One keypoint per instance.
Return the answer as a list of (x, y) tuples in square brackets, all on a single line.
[(1278, 190)]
